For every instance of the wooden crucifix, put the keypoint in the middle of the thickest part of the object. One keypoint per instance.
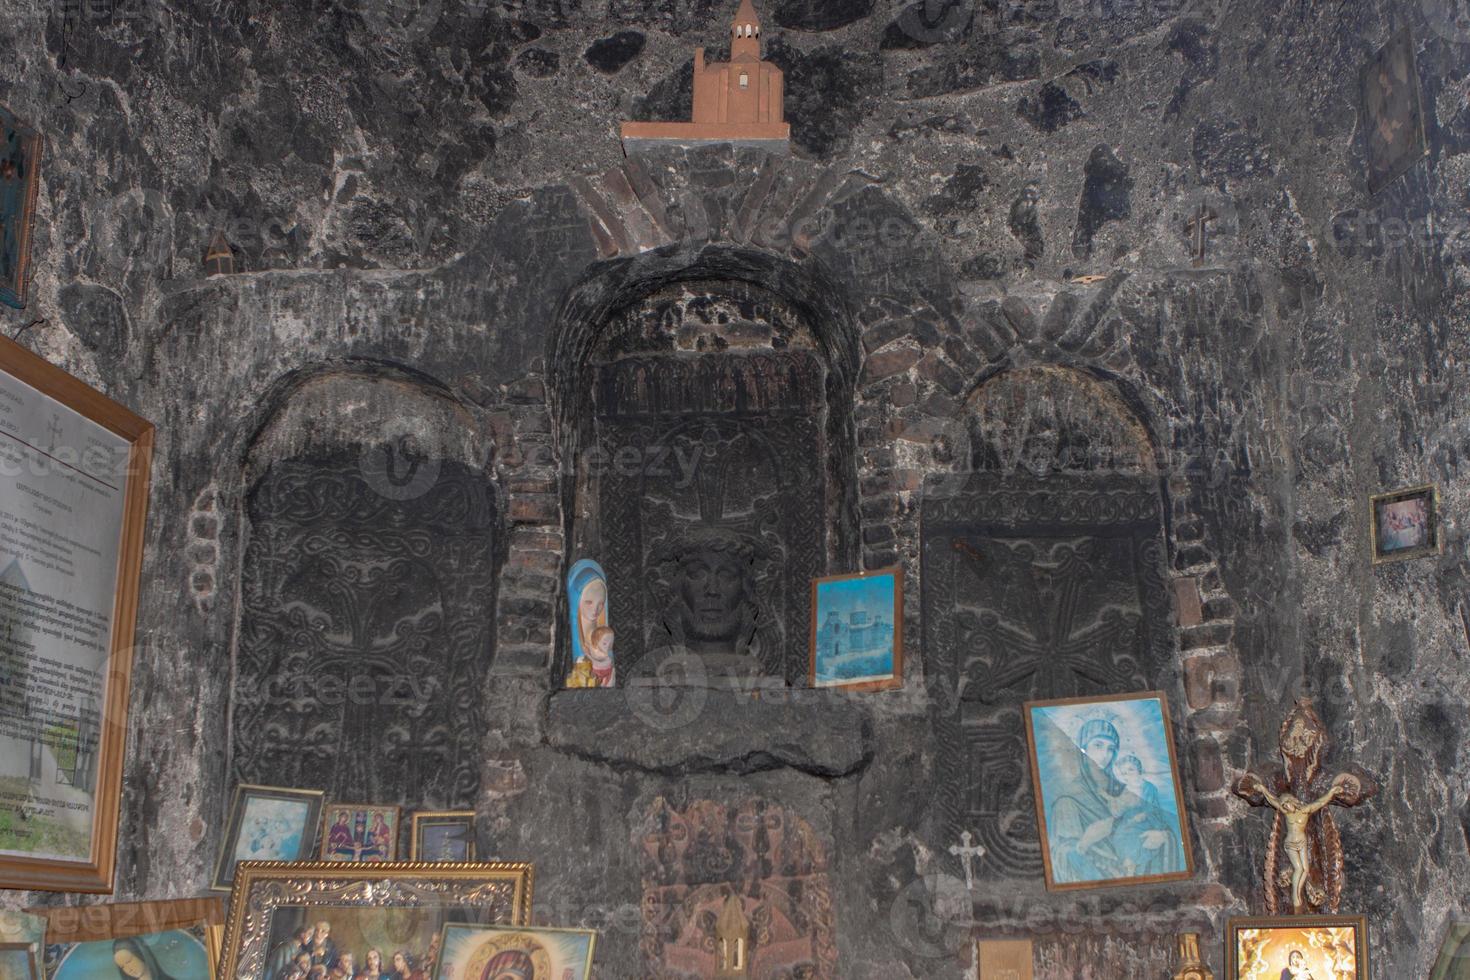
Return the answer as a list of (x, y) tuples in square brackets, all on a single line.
[(1304, 834), (1196, 226)]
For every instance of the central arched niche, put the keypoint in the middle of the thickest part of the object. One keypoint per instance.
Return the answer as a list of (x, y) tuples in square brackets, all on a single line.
[(716, 477), (371, 548)]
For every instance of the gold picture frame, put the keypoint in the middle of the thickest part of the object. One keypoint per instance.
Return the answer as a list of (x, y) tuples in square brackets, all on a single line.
[(76, 925), (1251, 956), (495, 893), (1425, 499), (467, 950), (428, 819), (1138, 732), (826, 604), (89, 444)]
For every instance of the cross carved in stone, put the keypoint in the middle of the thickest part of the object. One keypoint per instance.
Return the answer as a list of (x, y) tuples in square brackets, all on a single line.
[(1196, 226), (1304, 834), (1055, 649)]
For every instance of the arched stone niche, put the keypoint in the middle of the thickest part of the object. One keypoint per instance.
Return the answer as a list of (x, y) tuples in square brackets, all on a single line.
[(1044, 576), (371, 539), (711, 425)]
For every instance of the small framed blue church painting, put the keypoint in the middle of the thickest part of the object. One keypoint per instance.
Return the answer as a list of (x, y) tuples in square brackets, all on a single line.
[(857, 631), (1108, 799)]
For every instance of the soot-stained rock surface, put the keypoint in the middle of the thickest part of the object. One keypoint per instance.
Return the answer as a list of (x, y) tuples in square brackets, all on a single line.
[(989, 229)]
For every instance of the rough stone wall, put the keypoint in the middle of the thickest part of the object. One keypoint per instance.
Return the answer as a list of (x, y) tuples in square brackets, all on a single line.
[(434, 191)]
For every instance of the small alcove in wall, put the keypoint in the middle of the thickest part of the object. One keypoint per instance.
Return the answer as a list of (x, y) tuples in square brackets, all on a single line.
[(1045, 575), (371, 544)]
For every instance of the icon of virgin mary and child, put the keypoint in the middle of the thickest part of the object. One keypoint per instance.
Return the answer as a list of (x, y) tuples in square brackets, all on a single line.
[(592, 638), (1104, 819)]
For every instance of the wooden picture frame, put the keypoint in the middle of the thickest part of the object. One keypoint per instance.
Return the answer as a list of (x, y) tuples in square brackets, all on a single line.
[(71, 927), (20, 951), (21, 149), (1381, 514), (310, 822), (1243, 944), (1075, 786), (383, 846), (497, 893), (466, 950), (77, 454), (863, 597), (430, 819)]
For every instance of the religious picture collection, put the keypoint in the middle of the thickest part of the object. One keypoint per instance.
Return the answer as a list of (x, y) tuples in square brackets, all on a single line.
[(670, 569)]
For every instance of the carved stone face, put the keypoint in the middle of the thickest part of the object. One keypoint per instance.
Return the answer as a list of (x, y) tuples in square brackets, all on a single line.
[(712, 584)]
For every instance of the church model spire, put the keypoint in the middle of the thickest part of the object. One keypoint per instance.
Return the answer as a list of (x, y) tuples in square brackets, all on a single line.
[(735, 101)]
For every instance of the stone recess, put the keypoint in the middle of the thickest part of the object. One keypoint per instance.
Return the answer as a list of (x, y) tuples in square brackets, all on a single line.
[(436, 200)]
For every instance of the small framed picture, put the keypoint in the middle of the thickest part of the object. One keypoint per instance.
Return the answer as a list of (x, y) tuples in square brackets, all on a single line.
[(445, 835), (179, 939), (1453, 962), (1405, 524), (18, 962), (1300, 947), (494, 952), (267, 823), (359, 833), (1108, 799), (20, 171), (857, 631), (1393, 113)]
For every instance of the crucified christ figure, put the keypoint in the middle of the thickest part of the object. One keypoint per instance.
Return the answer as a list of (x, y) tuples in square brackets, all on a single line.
[(1296, 814)]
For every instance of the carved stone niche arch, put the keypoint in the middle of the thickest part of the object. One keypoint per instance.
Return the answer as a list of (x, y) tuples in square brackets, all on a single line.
[(1044, 576), (370, 547), (710, 421)]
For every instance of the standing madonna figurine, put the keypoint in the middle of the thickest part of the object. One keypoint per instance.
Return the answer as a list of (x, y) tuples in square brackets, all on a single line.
[(1304, 833)]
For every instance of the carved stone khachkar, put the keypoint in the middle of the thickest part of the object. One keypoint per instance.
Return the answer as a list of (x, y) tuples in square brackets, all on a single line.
[(710, 508), (1304, 870), (364, 642), (1032, 589), (1044, 576)]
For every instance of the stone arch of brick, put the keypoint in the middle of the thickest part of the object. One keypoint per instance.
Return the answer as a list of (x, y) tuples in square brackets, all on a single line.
[(587, 310), (830, 241), (1081, 332), (211, 530)]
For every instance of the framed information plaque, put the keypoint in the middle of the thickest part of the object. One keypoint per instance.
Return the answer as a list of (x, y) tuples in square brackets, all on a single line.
[(73, 496)]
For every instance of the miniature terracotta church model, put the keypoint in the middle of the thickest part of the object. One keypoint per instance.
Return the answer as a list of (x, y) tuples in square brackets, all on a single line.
[(735, 101)]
